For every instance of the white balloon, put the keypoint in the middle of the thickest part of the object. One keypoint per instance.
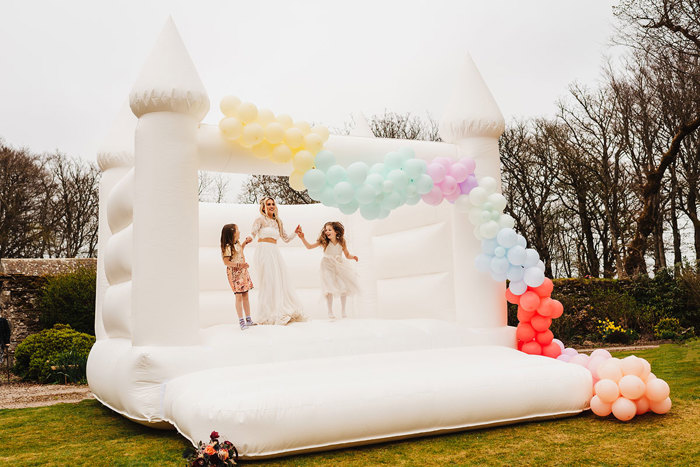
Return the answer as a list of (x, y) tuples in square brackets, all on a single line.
[(506, 221), (540, 265), (533, 277), (521, 241), (517, 287), (463, 205), (489, 229), (531, 258), (516, 273), (507, 238), (489, 184), (498, 201), (478, 196), (516, 255)]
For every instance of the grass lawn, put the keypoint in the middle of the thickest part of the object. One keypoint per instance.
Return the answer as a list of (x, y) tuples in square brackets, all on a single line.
[(89, 434)]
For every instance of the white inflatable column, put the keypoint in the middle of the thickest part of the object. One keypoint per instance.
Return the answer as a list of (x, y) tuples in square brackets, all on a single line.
[(474, 123), (170, 101)]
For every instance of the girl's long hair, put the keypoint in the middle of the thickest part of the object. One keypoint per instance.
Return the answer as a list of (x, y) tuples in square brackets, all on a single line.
[(274, 216), (228, 233), (339, 234)]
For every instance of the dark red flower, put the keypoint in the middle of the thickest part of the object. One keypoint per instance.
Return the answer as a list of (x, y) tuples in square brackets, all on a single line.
[(214, 435)]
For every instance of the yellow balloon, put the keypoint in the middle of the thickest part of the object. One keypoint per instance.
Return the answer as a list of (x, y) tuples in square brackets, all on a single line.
[(305, 127), (247, 112), (293, 137), (231, 128), (274, 133), (296, 180), (285, 121), (303, 161), (265, 116), (262, 150), (252, 134), (281, 154), (229, 105), (313, 143), (321, 131)]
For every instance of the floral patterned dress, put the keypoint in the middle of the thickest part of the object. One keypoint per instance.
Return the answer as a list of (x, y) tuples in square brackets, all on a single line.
[(238, 277)]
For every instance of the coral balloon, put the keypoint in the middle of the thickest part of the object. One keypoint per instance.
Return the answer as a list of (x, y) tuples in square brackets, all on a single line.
[(545, 308), (544, 290), (532, 348), (540, 323), (642, 405), (600, 408), (529, 301), (551, 350), (525, 332), (657, 390), (545, 337), (610, 369), (624, 409), (557, 309), (660, 407), (525, 316), (631, 386), (512, 298)]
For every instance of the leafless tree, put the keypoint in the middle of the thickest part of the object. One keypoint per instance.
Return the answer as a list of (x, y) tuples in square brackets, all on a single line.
[(213, 187), (258, 187)]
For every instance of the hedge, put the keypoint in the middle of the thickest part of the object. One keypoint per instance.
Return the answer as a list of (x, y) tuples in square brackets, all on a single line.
[(69, 299)]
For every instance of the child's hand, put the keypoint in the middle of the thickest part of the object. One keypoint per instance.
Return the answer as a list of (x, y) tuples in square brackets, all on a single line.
[(247, 240), (355, 258), (245, 265)]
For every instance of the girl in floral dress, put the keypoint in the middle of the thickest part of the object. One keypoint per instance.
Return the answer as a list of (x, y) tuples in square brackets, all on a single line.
[(237, 271)]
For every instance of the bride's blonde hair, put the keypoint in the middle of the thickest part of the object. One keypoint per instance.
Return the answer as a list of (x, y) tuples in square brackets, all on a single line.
[(263, 211)]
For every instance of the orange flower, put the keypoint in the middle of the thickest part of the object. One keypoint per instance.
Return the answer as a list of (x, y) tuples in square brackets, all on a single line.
[(210, 450), (223, 454)]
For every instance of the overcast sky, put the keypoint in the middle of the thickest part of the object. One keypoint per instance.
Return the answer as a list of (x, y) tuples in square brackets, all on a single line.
[(67, 66)]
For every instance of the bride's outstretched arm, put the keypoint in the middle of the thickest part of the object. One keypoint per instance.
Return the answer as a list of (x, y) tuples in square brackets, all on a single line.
[(303, 239)]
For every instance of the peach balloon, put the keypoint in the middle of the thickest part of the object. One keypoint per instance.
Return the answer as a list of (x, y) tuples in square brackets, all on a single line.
[(632, 387), (646, 370), (657, 390), (649, 377), (601, 353), (642, 405), (600, 408), (624, 409), (594, 363), (313, 142), (607, 391), (610, 369), (661, 407), (580, 359), (631, 366)]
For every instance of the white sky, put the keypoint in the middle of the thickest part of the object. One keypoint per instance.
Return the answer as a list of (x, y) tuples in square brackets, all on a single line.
[(67, 66)]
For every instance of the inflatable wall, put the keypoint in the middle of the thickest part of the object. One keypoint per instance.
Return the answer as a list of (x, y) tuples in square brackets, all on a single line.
[(425, 349)]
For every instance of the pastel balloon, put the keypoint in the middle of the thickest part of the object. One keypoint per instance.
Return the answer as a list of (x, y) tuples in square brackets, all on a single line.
[(601, 353), (507, 238), (265, 117), (600, 408), (377, 168), (631, 386), (624, 409), (632, 366), (281, 154), (446, 162), (370, 211), (498, 201), (570, 351), (252, 134), (610, 369), (559, 343), (517, 287), (231, 127), (350, 207), (399, 178), (540, 265), (594, 363), (293, 137), (531, 258), (387, 186), (646, 369), (540, 323), (649, 377), (545, 290), (406, 153), (436, 171), (516, 254), (607, 390), (343, 192), (313, 142), (657, 390), (434, 197), (324, 160), (303, 161), (376, 181), (357, 173), (452, 197), (529, 301), (328, 196), (314, 180), (365, 194), (642, 405), (247, 112), (412, 199), (415, 167), (449, 185), (469, 163), (489, 184), (660, 407), (459, 172), (296, 180), (489, 229), (564, 358), (383, 214), (521, 241), (580, 359), (263, 150), (468, 185), (391, 201), (515, 274), (285, 120), (533, 277), (304, 127), (532, 348), (274, 133), (322, 132), (424, 184), (477, 196), (229, 105), (335, 174), (392, 160)]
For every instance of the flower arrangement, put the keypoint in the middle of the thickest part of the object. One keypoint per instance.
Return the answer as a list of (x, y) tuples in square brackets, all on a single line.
[(611, 332), (213, 453)]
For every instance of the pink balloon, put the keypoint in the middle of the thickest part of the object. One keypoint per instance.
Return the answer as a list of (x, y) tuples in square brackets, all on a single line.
[(607, 390), (642, 405), (570, 352), (632, 387), (660, 407), (433, 197), (657, 390), (594, 363), (437, 172), (469, 163), (649, 377), (632, 366), (624, 409), (459, 172), (601, 353), (647, 369), (449, 185), (610, 369), (600, 408), (446, 162), (564, 358), (452, 197), (580, 359)]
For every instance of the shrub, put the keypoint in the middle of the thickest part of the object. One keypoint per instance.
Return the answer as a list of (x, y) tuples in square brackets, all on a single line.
[(36, 354), (69, 299), (69, 367), (668, 328)]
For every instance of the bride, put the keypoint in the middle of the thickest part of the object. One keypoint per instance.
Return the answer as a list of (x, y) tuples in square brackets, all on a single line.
[(277, 301)]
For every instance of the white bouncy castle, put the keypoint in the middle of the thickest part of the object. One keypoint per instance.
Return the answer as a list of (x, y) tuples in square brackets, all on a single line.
[(426, 348)]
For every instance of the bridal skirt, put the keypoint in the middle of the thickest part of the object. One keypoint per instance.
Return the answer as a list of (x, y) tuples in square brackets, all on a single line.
[(277, 301)]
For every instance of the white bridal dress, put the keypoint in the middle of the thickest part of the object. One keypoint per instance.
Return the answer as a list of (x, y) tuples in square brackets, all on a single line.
[(277, 301)]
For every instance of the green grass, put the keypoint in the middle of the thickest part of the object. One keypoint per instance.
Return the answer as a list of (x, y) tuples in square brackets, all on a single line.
[(89, 434)]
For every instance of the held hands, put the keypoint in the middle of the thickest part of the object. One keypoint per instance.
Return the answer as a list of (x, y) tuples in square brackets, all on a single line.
[(355, 258), (299, 231), (247, 240)]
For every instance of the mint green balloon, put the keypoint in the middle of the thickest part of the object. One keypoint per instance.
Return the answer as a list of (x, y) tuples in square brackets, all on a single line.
[(314, 180), (370, 211), (365, 194), (324, 160), (424, 184), (376, 181), (335, 174), (344, 192), (357, 173), (350, 207)]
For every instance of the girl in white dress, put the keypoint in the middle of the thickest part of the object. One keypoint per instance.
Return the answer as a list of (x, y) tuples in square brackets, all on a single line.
[(277, 301), (337, 276)]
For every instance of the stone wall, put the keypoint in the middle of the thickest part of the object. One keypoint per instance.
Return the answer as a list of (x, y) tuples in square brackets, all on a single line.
[(20, 281)]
